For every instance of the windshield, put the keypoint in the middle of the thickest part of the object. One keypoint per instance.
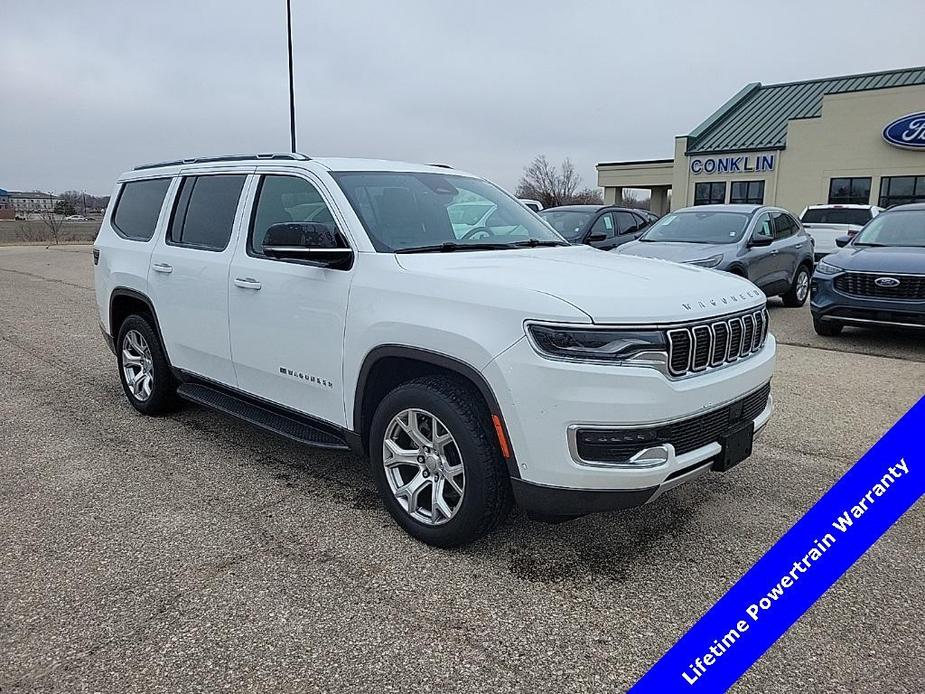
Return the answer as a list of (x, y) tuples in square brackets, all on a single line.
[(408, 211), (698, 227), (905, 228), (569, 223), (835, 215)]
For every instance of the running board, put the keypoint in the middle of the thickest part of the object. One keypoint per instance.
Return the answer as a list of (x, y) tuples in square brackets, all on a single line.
[(265, 416)]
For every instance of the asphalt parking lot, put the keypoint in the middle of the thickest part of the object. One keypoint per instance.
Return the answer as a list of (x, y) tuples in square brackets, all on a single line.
[(194, 553)]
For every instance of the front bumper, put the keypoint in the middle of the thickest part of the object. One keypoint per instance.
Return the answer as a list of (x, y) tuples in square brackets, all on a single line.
[(830, 305), (542, 399)]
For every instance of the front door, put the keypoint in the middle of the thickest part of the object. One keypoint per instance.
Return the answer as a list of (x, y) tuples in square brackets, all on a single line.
[(188, 274), (760, 263), (288, 317)]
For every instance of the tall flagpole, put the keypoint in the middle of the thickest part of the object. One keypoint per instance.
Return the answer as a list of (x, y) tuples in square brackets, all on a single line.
[(291, 87)]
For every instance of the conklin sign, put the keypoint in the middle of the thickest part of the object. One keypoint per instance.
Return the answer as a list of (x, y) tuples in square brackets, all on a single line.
[(745, 163)]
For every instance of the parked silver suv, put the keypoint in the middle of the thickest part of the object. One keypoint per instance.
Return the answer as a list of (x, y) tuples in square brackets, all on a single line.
[(767, 245)]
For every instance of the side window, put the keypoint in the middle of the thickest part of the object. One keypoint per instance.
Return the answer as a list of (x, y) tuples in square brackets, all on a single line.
[(763, 227), (784, 226), (138, 207), (282, 199), (604, 225), (627, 222), (203, 215)]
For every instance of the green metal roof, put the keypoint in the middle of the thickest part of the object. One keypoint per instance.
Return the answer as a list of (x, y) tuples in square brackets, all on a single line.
[(756, 118)]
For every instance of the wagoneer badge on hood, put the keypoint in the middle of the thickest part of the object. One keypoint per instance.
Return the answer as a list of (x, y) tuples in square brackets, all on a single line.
[(728, 300)]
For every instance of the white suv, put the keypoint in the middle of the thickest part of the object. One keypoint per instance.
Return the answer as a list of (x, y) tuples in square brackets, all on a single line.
[(332, 302)]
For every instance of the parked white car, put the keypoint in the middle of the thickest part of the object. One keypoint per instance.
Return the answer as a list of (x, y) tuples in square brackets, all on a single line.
[(471, 372), (825, 223), (76, 218)]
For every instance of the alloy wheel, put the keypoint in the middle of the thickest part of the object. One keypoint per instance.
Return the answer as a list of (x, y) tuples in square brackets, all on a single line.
[(802, 285), (137, 365), (423, 466)]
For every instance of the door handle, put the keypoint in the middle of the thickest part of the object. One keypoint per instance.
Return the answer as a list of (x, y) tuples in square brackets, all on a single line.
[(247, 283), (162, 267), (775, 252)]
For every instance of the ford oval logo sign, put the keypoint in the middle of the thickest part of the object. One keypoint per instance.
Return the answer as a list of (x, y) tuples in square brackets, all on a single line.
[(886, 282), (907, 132)]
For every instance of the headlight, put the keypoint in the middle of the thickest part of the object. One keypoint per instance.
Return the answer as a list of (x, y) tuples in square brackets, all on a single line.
[(712, 261), (595, 345), (824, 268)]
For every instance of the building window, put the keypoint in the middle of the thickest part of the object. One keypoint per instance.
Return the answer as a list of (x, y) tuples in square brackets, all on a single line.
[(849, 191), (747, 193), (900, 190), (710, 193)]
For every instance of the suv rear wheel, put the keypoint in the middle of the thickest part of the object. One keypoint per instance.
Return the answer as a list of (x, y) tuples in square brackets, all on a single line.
[(799, 290), (435, 462), (143, 369)]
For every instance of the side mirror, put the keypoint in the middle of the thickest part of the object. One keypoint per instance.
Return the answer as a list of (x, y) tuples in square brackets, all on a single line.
[(596, 237), (758, 241), (843, 241), (308, 241)]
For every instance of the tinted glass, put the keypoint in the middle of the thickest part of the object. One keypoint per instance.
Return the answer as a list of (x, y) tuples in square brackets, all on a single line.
[(569, 223), (138, 208), (836, 215), (284, 199), (604, 225), (627, 222), (205, 209), (784, 225), (405, 211), (899, 228), (709, 193), (901, 190), (698, 227), (849, 191), (764, 228), (747, 193)]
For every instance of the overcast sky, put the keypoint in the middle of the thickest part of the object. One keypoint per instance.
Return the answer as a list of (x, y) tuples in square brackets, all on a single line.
[(89, 89)]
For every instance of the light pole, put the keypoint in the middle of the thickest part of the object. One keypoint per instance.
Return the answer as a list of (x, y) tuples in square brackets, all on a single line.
[(291, 87)]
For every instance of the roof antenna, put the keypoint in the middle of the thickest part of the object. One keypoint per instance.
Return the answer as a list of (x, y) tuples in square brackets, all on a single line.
[(291, 87)]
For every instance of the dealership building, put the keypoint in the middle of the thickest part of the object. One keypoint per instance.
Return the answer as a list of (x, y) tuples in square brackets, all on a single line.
[(854, 139)]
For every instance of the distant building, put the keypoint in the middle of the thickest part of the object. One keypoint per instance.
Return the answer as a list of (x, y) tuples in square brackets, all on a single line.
[(4, 200), (32, 202), (858, 139)]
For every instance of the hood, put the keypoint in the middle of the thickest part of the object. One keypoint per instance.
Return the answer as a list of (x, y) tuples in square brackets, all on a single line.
[(610, 288), (901, 260), (677, 252)]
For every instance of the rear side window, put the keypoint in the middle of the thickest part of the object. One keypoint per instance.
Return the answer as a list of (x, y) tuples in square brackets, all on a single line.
[(784, 226), (204, 212), (138, 208)]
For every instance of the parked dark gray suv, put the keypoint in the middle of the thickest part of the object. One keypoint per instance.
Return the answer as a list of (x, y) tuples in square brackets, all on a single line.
[(767, 245)]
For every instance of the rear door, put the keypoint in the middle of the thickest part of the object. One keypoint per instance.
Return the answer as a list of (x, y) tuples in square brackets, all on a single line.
[(188, 275), (629, 227)]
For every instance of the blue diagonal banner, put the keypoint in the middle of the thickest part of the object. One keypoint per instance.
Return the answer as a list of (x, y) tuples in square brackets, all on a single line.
[(799, 568)]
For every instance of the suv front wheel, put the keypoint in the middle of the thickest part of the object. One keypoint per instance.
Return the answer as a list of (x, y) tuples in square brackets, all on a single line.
[(436, 465), (143, 369)]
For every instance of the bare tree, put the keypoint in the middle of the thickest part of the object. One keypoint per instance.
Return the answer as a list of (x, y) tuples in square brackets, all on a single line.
[(553, 186), (53, 223)]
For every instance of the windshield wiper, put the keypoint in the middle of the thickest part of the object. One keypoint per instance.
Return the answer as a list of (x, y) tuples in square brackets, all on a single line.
[(451, 246), (533, 243)]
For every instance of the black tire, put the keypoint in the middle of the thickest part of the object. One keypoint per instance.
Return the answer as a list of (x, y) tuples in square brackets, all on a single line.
[(827, 329), (792, 298), (487, 498), (163, 396)]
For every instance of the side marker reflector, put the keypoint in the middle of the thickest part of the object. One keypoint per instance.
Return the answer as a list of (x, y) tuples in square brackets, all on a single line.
[(502, 439)]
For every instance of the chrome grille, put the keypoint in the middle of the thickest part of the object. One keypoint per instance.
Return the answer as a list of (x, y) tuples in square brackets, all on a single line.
[(709, 345)]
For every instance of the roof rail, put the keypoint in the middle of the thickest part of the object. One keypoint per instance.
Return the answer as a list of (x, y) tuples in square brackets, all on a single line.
[(441, 166), (290, 156)]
